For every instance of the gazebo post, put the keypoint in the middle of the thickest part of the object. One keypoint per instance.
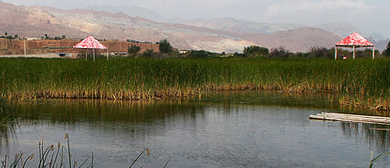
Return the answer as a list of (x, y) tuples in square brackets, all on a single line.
[(335, 53), (373, 52), (107, 53), (25, 49), (94, 55), (354, 51)]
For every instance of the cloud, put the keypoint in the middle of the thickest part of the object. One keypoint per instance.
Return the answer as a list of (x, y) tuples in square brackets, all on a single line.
[(311, 6), (196, 8)]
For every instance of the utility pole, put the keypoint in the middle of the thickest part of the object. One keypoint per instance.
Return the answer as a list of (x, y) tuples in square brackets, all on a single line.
[(25, 49)]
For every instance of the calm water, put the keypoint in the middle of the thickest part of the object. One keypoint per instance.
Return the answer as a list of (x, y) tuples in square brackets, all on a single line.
[(221, 130)]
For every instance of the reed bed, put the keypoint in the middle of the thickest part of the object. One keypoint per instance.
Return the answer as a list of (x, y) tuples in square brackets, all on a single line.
[(361, 82)]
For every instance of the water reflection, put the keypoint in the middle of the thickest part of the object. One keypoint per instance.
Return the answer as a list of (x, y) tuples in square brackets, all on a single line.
[(376, 136), (7, 126), (93, 111), (327, 101), (7, 133), (238, 129)]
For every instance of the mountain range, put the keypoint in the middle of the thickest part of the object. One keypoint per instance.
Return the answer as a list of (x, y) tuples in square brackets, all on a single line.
[(140, 24)]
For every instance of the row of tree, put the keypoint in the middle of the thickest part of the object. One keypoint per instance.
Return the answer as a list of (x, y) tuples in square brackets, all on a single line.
[(315, 52), (164, 48), (53, 38), (257, 51), (7, 36)]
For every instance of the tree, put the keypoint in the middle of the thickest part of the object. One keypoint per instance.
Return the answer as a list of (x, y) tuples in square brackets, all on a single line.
[(200, 53), (253, 51), (165, 46), (387, 51), (280, 52), (148, 53), (133, 49), (318, 52)]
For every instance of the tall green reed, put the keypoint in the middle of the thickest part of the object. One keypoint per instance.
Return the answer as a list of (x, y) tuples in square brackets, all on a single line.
[(145, 78), (374, 160)]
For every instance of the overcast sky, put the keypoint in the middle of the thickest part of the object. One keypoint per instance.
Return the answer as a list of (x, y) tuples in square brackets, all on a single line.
[(371, 16)]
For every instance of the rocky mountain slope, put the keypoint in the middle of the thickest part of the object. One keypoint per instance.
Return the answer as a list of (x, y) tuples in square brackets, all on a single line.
[(300, 39), (28, 21), (246, 26), (36, 21), (134, 11), (238, 25)]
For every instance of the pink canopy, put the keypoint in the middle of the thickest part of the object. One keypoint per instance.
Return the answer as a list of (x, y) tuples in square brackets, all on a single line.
[(355, 40), (90, 42)]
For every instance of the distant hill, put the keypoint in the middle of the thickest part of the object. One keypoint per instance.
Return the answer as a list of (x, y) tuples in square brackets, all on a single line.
[(238, 25), (134, 11), (246, 26), (28, 21), (36, 21), (242, 26), (340, 28), (287, 35), (381, 45), (300, 39)]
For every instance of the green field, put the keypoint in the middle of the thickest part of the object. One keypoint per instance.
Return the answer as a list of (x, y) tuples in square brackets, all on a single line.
[(361, 83)]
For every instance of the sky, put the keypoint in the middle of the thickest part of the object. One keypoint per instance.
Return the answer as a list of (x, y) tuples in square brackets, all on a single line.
[(369, 16)]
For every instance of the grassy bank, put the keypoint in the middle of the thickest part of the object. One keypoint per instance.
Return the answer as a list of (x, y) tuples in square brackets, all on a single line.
[(361, 82)]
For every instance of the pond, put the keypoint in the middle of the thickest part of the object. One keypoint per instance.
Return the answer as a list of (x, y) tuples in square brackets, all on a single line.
[(232, 129)]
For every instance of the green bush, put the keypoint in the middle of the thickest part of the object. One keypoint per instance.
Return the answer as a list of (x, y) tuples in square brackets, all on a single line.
[(148, 53), (386, 52), (133, 49), (165, 46), (199, 53), (256, 51)]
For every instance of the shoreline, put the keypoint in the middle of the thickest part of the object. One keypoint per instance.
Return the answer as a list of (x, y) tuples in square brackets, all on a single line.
[(347, 102)]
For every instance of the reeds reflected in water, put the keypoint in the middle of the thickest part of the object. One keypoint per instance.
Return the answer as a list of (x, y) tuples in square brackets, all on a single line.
[(7, 127)]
